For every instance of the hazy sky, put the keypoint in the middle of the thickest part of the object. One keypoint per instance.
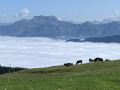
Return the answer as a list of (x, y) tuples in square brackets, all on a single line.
[(11, 10)]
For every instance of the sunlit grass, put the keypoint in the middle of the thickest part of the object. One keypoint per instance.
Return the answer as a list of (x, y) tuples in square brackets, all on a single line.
[(90, 76)]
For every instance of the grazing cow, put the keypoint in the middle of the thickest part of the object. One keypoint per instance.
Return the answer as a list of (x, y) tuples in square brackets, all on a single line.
[(107, 60), (98, 59), (91, 60), (79, 61), (68, 64)]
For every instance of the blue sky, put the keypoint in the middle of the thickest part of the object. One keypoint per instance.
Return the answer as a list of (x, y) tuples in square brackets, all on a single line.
[(78, 10)]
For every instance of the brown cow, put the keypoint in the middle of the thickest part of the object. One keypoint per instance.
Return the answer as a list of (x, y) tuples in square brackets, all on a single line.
[(91, 60), (68, 64), (107, 60), (79, 61), (98, 59)]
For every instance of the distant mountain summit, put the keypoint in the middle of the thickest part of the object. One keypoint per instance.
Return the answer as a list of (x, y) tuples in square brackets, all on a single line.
[(50, 26), (44, 19)]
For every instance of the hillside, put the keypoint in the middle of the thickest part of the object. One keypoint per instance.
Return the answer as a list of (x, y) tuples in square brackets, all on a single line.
[(50, 26), (109, 39), (90, 76)]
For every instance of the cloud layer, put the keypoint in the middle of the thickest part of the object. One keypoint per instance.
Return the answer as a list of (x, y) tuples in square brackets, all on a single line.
[(44, 52)]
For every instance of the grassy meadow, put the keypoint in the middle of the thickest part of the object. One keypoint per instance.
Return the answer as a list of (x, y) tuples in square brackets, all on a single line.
[(89, 76)]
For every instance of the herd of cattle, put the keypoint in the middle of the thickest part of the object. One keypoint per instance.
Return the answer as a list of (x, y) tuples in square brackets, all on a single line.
[(90, 60)]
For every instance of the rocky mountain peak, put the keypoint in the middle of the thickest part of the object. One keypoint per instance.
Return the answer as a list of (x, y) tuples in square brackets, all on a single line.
[(45, 19)]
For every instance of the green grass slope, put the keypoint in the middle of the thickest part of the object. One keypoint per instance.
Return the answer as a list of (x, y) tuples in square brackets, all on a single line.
[(90, 76)]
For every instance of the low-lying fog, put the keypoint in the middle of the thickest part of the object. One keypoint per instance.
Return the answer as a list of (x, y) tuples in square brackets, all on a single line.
[(45, 52)]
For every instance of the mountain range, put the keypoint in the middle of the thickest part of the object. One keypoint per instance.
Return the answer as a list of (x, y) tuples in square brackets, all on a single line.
[(50, 26), (107, 39)]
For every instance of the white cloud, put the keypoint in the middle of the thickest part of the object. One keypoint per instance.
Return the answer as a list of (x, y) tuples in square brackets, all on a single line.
[(24, 12), (15, 15), (116, 12), (12, 17), (5, 15), (114, 17)]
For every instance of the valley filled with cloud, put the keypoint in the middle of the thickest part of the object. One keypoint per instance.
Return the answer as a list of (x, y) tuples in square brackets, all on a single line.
[(44, 52)]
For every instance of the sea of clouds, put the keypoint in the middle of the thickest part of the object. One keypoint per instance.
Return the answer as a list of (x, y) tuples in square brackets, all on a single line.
[(44, 52)]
